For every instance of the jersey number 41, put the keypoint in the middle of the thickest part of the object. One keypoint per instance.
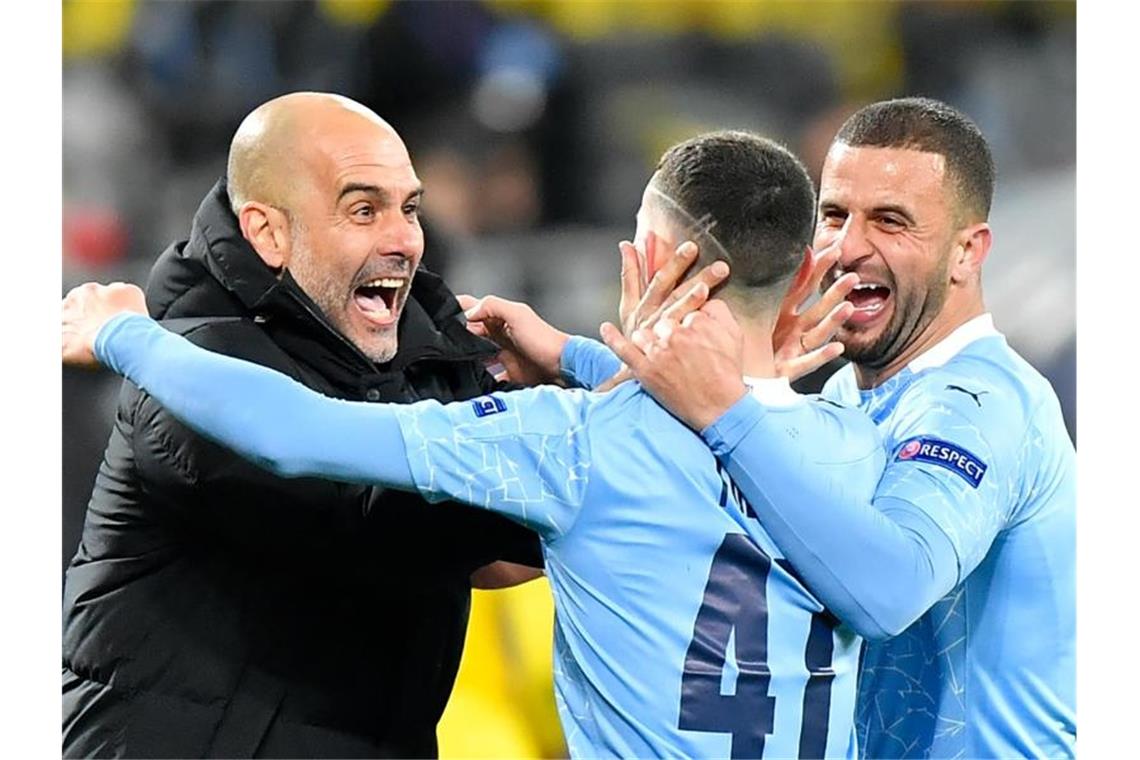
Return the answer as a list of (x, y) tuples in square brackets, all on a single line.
[(736, 600)]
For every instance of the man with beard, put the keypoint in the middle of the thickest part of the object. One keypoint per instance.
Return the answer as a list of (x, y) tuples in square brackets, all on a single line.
[(961, 570), (214, 610), (680, 631)]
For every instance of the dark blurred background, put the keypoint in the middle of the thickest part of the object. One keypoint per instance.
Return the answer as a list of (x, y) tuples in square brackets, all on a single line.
[(534, 125)]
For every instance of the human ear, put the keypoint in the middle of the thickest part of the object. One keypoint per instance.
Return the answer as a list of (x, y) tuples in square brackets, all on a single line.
[(658, 249), (267, 230), (970, 252)]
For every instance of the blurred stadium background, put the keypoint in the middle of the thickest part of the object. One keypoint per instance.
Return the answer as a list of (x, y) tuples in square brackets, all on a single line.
[(534, 125)]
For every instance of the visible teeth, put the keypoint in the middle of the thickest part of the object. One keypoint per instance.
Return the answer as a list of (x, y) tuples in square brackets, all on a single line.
[(866, 285), (385, 282)]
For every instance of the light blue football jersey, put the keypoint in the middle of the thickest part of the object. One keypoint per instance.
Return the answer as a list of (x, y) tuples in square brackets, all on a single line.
[(975, 438), (680, 630)]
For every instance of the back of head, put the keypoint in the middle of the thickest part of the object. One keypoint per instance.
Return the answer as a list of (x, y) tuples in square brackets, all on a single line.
[(931, 126), (743, 199)]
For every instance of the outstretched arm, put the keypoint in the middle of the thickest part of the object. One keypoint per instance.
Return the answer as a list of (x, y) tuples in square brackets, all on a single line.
[(524, 454), (266, 417)]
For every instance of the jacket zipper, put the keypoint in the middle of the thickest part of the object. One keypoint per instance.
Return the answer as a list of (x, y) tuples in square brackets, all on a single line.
[(320, 319)]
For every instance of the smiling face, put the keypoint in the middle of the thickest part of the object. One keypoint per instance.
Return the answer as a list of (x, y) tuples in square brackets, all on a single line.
[(354, 223), (896, 213)]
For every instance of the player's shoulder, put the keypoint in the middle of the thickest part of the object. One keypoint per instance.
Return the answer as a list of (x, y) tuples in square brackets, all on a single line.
[(628, 413), (549, 409), (986, 398), (986, 380)]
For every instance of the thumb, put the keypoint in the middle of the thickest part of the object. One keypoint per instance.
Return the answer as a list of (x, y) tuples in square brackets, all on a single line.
[(467, 302)]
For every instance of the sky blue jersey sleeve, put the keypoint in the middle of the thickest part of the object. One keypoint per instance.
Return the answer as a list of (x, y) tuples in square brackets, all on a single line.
[(811, 472), (956, 464), (587, 363), (261, 414), (524, 453)]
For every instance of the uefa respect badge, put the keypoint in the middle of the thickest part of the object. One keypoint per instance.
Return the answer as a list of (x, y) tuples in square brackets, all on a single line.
[(944, 454)]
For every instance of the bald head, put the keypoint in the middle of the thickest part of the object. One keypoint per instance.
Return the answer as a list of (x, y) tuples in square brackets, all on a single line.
[(268, 153)]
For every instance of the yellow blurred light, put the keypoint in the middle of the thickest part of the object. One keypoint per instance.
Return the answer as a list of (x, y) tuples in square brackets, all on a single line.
[(503, 701), (354, 12), (96, 27)]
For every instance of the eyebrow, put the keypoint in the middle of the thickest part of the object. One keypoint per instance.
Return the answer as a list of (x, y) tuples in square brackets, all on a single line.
[(826, 206), (893, 209), (376, 190)]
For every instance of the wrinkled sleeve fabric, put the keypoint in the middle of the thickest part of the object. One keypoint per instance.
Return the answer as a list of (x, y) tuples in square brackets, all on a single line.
[(587, 363), (266, 417), (523, 454), (811, 472)]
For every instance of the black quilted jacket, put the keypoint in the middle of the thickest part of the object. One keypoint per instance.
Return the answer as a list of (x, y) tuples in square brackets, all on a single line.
[(215, 610)]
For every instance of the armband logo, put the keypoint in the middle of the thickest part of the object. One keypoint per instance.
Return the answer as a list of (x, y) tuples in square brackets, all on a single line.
[(944, 454), (486, 405)]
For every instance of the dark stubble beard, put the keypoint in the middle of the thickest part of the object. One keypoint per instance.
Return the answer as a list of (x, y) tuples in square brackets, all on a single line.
[(330, 296), (910, 317)]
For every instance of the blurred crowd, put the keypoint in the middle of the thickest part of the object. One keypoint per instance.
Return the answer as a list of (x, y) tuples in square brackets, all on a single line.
[(534, 125)]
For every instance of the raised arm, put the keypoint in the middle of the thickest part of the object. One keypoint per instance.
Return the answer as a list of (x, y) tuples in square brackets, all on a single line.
[(262, 415), (514, 453), (878, 554)]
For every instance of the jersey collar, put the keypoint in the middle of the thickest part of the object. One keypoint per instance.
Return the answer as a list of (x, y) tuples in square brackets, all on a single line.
[(771, 391), (981, 326)]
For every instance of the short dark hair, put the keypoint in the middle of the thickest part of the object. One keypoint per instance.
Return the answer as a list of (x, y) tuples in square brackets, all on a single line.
[(930, 126), (756, 194)]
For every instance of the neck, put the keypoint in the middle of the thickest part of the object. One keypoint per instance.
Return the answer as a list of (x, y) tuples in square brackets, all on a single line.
[(759, 359), (948, 320)]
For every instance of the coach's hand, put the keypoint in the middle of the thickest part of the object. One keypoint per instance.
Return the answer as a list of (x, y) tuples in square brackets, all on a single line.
[(693, 366), (86, 309), (531, 348)]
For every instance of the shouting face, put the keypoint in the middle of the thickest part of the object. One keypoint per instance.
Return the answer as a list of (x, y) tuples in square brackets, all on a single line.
[(356, 236), (897, 217)]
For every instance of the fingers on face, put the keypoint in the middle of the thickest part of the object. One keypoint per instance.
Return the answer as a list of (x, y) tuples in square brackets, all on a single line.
[(794, 369), (691, 300), (667, 277), (630, 271), (832, 298)]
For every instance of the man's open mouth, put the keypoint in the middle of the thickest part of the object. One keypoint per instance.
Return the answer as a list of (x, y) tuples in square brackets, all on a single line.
[(377, 298), (869, 300)]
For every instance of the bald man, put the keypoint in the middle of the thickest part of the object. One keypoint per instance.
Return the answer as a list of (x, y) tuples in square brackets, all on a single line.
[(214, 610)]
